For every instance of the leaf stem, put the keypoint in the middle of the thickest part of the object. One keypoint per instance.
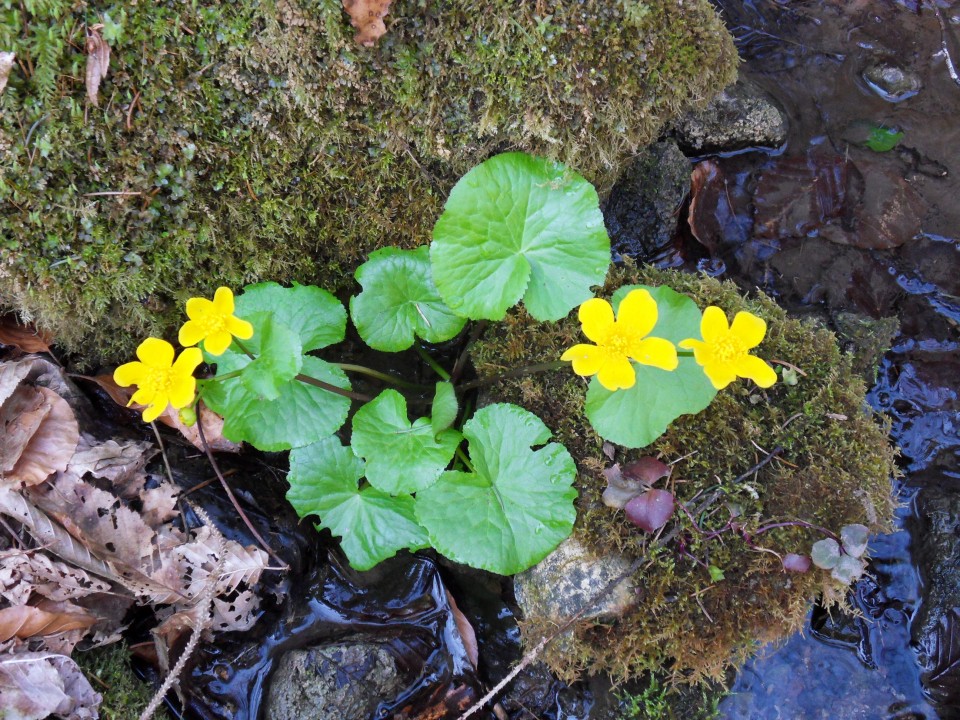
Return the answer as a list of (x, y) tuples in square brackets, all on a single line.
[(435, 366), (516, 372), (363, 370), (464, 459)]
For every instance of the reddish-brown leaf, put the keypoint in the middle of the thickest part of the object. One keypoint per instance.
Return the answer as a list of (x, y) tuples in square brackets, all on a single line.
[(25, 621), (52, 444), (98, 62), (719, 210), (651, 510), (25, 337)]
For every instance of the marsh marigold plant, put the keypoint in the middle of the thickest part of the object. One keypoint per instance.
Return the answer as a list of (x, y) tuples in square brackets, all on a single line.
[(724, 351), (160, 380), (213, 323), (620, 340)]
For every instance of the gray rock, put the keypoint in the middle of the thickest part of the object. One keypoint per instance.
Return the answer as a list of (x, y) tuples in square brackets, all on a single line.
[(332, 682), (641, 213), (891, 82), (570, 577), (936, 626), (742, 116)]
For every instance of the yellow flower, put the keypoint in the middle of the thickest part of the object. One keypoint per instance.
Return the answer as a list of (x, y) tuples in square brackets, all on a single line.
[(214, 323), (723, 352), (160, 380), (620, 340)]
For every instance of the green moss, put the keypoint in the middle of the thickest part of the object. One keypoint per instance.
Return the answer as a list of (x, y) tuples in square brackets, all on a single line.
[(124, 695), (834, 470), (254, 140)]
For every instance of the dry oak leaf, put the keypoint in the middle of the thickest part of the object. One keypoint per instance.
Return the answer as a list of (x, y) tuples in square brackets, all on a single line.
[(98, 61), (367, 16), (34, 686)]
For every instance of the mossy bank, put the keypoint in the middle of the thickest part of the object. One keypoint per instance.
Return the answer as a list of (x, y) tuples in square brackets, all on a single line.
[(833, 468), (243, 141)]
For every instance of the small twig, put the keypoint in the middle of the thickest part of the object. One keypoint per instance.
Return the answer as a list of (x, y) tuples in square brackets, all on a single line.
[(233, 499), (789, 365), (133, 104), (460, 365), (163, 453), (113, 192)]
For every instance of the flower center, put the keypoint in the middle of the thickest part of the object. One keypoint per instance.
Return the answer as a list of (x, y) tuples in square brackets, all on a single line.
[(728, 348), (157, 380), (213, 323), (618, 341)]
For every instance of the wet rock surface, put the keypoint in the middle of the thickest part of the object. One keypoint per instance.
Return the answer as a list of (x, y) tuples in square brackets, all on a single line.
[(891, 82), (641, 212), (741, 116), (334, 682)]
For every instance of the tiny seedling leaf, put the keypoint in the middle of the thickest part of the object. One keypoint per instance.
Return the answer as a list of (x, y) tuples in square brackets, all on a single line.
[(854, 538), (514, 507), (517, 227), (883, 139), (651, 510), (373, 525), (401, 457), (848, 569), (825, 553), (400, 302)]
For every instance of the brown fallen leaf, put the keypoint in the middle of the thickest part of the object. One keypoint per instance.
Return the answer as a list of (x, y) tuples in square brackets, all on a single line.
[(6, 65), (25, 337), (467, 634), (367, 16), (25, 621), (51, 446), (98, 61)]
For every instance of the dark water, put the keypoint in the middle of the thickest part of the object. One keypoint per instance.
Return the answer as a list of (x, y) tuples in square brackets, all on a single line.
[(855, 252)]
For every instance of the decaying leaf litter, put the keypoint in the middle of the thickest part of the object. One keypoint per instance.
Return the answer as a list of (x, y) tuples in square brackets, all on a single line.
[(87, 534)]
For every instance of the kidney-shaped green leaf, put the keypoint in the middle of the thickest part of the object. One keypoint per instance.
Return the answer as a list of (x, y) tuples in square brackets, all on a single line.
[(372, 525), (517, 227), (300, 415), (311, 312), (638, 416), (399, 301), (517, 504), (401, 457), (279, 357)]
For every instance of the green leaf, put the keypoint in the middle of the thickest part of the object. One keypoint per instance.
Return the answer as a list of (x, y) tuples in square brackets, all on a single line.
[(517, 503), (279, 357), (401, 458), (311, 312), (301, 415), (716, 574), (373, 526), (638, 416), (517, 227), (883, 139), (444, 409), (400, 301)]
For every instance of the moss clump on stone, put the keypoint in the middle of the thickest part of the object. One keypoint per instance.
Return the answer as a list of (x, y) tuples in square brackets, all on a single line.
[(834, 470), (247, 140)]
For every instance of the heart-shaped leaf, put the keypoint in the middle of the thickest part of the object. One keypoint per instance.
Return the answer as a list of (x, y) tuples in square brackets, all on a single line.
[(373, 525), (517, 227), (825, 553), (854, 539), (400, 301), (651, 510), (514, 507), (401, 457)]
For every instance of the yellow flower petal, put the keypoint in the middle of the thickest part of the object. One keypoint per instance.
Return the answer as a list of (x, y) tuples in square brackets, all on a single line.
[(596, 317), (223, 301), (182, 391), (656, 352), (239, 328), (143, 396), (720, 374), (198, 307), (218, 342), (756, 369), (586, 359), (155, 353), (690, 344), (638, 311), (749, 329), (131, 373), (617, 374), (188, 361), (191, 332), (154, 411), (713, 325)]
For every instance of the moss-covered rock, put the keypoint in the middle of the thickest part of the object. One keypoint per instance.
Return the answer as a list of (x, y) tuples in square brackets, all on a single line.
[(834, 469), (254, 140)]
